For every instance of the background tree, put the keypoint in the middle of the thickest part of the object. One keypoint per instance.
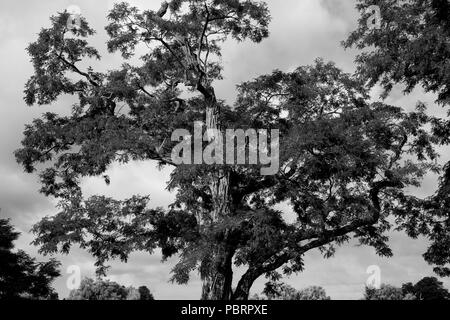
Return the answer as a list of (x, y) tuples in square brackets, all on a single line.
[(133, 294), (341, 166), (385, 292), (145, 294), (20, 275), (411, 48), (107, 290), (428, 288)]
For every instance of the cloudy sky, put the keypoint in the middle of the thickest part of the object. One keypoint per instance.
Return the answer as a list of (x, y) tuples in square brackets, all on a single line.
[(301, 31)]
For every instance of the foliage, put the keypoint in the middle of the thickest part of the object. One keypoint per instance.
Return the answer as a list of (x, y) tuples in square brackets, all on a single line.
[(145, 294), (312, 293), (133, 294), (428, 288), (410, 48), (385, 292), (107, 290), (20, 275), (281, 291)]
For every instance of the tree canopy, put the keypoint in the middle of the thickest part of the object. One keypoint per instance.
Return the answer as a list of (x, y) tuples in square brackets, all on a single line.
[(282, 291), (145, 294), (428, 288), (411, 48), (21, 277), (385, 292)]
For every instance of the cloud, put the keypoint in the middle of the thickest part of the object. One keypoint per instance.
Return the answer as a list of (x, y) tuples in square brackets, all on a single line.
[(300, 32)]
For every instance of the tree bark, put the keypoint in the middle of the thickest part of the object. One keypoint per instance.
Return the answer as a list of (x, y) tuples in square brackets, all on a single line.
[(218, 278)]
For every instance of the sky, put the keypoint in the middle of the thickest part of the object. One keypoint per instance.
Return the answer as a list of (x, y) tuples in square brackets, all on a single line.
[(300, 32)]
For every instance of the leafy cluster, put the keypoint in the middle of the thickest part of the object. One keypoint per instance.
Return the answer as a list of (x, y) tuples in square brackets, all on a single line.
[(346, 163), (428, 288), (21, 277), (412, 48), (284, 292)]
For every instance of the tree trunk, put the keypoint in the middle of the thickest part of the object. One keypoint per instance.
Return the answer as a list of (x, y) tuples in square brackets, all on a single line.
[(217, 280), (218, 276)]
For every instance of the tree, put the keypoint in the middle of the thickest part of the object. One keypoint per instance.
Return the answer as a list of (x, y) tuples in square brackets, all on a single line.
[(20, 275), (385, 292), (107, 290), (278, 291), (281, 291), (98, 290), (133, 294), (341, 166), (428, 288), (411, 48), (145, 294), (313, 293)]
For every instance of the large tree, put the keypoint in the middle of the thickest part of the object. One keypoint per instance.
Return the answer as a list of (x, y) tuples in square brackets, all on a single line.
[(412, 48), (21, 276), (342, 158)]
